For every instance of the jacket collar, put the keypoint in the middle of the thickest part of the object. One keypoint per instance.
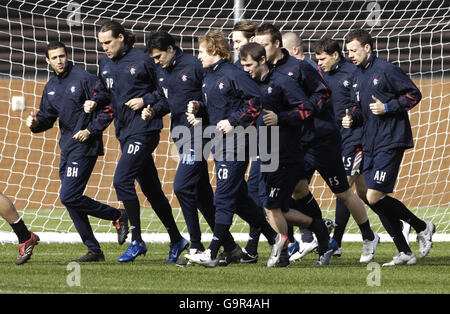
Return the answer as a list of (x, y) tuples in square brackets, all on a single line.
[(216, 66), (178, 54), (66, 72), (283, 60), (337, 66), (369, 62), (123, 52), (266, 78)]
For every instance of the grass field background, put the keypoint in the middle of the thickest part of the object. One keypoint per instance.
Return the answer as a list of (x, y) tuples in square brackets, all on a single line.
[(47, 272)]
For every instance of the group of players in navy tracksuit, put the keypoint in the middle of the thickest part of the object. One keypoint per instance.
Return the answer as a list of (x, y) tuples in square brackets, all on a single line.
[(136, 93)]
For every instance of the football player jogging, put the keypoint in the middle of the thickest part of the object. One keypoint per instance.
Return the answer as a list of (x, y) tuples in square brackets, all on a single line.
[(385, 94), (66, 97), (320, 140), (179, 78), (243, 32), (285, 106), (338, 74), (27, 239), (293, 44), (231, 99), (129, 75)]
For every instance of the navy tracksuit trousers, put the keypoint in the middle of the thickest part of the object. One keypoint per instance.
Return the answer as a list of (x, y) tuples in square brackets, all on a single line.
[(74, 173), (136, 163), (193, 190)]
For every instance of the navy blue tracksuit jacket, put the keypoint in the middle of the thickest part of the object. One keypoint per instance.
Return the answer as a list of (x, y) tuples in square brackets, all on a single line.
[(130, 75), (178, 84), (393, 87), (340, 82), (283, 96), (230, 94), (323, 123), (63, 97)]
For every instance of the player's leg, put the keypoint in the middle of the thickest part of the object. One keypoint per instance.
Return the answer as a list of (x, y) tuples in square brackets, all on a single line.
[(353, 162), (253, 185), (74, 174), (230, 177), (127, 169), (27, 239), (381, 181), (150, 184), (185, 185), (327, 159)]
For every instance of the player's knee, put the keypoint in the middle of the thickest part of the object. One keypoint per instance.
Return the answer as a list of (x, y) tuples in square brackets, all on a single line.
[(346, 195), (374, 197), (69, 199), (181, 188), (301, 190)]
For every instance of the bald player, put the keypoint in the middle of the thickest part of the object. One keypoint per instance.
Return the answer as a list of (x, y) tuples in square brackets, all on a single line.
[(293, 44)]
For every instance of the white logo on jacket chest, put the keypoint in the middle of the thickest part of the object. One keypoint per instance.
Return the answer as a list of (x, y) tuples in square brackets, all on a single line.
[(73, 89), (375, 81), (184, 77), (269, 90), (133, 70), (221, 85), (346, 83)]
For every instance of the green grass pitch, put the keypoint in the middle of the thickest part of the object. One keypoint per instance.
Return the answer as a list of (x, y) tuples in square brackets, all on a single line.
[(49, 271)]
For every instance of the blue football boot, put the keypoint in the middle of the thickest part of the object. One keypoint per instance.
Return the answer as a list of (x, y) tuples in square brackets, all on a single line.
[(134, 250), (176, 249), (293, 248)]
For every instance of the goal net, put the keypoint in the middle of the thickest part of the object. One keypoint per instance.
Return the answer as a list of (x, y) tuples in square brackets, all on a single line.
[(412, 34)]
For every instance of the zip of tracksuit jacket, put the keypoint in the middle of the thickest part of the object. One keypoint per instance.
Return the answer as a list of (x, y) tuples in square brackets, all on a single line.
[(340, 82), (63, 97), (322, 124), (388, 83), (130, 75)]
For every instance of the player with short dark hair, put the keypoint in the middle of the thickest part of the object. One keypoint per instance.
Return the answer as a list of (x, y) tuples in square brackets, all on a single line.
[(285, 106), (320, 139), (243, 32), (231, 99), (66, 97), (129, 76), (27, 239), (385, 94), (179, 78)]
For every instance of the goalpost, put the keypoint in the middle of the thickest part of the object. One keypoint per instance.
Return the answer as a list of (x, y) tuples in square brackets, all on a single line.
[(411, 34)]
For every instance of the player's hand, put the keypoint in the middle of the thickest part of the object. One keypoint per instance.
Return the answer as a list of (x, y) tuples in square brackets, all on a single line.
[(135, 103), (377, 107), (193, 106), (147, 113), (82, 135), (347, 120), (31, 120), (270, 118), (224, 126), (89, 106), (192, 119)]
